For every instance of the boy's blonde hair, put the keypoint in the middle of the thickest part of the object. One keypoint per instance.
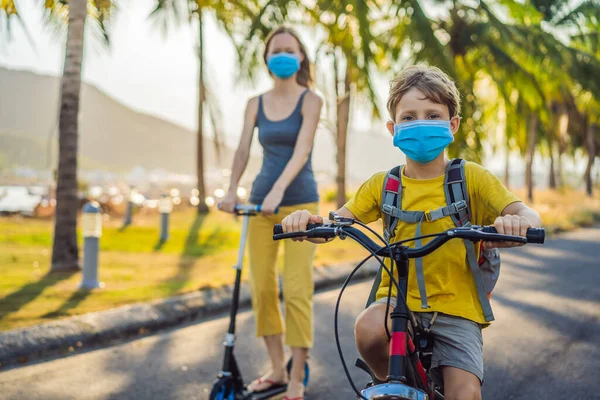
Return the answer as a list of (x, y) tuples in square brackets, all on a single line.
[(435, 84)]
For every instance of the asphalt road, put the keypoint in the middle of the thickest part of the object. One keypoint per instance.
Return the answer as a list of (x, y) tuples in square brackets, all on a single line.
[(545, 343)]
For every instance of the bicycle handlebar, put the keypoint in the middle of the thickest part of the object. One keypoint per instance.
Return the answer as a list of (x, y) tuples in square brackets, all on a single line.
[(474, 233)]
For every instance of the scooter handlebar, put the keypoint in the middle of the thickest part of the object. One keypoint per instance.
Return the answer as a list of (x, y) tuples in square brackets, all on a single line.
[(250, 209)]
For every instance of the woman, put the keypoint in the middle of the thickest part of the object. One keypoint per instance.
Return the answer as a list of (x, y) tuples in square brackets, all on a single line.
[(286, 117)]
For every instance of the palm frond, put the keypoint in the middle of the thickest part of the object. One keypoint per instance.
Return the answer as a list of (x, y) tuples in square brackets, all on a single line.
[(586, 10), (419, 28), (9, 13)]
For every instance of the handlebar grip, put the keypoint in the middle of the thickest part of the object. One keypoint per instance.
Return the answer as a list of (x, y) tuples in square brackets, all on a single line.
[(534, 235), (278, 229)]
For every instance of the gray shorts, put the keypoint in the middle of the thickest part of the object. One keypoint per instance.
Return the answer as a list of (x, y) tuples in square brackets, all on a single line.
[(457, 342)]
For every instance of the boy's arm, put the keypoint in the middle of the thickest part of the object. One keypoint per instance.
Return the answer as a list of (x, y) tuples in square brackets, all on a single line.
[(298, 220), (364, 204), (515, 220)]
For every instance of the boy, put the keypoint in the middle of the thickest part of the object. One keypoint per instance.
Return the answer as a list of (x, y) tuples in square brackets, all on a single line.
[(424, 106)]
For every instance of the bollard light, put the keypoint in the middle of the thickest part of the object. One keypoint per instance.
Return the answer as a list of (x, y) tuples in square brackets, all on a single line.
[(91, 222), (165, 206), (129, 207), (91, 225)]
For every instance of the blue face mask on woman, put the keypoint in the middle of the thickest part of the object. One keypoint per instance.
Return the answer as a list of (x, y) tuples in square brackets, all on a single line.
[(283, 65), (423, 140)]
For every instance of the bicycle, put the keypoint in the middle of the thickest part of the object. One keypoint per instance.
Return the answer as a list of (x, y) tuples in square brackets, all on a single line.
[(408, 375), (229, 384)]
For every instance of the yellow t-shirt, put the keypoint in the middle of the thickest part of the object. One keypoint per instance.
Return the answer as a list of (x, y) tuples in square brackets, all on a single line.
[(448, 279)]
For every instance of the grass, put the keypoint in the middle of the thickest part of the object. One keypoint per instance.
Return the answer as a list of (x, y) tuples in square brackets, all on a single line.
[(136, 267), (565, 209)]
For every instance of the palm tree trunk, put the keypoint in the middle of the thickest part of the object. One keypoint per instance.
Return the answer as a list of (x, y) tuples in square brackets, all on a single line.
[(65, 253), (531, 141), (343, 116), (507, 166), (552, 172), (202, 207), (590, 146), (563, 128)]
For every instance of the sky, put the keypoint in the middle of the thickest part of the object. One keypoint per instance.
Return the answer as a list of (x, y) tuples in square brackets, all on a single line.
[(143, 68), (157, 74)]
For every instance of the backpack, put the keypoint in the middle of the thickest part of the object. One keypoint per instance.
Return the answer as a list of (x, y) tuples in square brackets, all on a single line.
[(485, 267)]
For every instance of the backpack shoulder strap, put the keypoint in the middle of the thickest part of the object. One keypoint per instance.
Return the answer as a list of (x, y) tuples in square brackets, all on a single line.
[(455, 187), (391, 198)]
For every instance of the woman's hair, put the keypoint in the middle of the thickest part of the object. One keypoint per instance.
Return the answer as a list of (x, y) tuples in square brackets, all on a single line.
[(303, 76)]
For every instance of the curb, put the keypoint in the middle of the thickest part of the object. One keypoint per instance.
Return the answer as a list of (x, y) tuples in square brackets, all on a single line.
[(65, 336)]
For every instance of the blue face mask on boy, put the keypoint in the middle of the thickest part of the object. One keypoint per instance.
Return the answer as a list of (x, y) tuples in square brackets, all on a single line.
[(423, 140), (283, 65)]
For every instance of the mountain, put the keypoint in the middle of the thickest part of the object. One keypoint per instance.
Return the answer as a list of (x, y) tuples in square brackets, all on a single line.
[(113, 137)]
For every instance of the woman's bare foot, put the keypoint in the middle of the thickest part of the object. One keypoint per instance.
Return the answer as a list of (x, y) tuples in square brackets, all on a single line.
[(295, 390), (268, 380)]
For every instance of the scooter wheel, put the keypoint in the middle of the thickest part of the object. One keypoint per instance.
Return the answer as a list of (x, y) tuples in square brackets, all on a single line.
[(306, 371), (222, 390)]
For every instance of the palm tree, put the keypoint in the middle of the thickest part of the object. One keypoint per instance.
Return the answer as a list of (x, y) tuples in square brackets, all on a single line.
[(471, 45), (588, 104), (233, 17), (65, 254), (586, 18), (562, 17), (8, 13), (354, 52)]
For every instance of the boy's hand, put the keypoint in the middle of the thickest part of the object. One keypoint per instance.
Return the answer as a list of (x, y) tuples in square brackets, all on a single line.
[(509, 225), (298, 220)]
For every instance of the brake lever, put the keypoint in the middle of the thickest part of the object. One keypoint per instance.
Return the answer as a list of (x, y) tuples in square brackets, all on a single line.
[(339, 220)]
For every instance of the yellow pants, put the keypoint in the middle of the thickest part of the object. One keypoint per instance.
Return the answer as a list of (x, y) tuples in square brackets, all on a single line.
[(298, 284)]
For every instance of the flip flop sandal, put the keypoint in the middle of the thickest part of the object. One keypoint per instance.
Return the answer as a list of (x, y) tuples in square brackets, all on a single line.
[(272, 385)]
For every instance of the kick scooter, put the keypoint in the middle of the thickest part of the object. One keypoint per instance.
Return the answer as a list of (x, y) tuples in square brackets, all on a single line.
[(229, 384)]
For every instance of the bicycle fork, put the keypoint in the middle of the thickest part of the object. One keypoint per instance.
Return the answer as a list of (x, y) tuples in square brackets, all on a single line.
[(396, 385)]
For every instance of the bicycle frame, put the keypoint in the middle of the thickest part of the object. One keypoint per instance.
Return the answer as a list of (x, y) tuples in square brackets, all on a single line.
[(401, 347)]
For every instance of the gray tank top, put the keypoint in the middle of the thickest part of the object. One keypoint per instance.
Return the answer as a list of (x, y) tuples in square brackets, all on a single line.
[(278, 139)]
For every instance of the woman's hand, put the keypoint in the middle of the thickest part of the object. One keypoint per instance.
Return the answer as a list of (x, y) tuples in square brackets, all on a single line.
[(510, 225), (298, 220), (272, 201), (229, 202)]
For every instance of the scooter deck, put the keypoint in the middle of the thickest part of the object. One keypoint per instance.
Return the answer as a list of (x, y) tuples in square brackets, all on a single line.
[(273, 393)]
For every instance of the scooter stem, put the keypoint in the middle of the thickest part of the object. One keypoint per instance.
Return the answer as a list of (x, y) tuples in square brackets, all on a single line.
[(230, 335)]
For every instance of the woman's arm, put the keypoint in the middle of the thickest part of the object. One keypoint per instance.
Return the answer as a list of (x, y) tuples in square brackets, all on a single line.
[(311, 112), (242, 154)]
